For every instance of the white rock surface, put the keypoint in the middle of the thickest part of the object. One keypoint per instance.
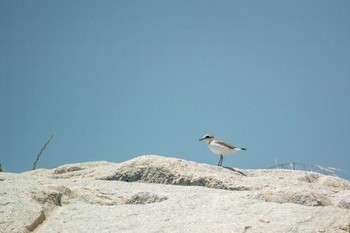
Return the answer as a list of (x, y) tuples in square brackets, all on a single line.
[(162, 194)]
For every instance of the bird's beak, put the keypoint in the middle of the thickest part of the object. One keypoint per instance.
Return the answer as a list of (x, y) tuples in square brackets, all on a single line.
[(201, 139)]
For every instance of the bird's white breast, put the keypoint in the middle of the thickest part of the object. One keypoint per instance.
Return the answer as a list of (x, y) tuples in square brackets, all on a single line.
[(220, 149)]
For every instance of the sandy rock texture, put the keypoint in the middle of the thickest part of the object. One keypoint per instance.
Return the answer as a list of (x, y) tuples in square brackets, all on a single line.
[(162, 194)]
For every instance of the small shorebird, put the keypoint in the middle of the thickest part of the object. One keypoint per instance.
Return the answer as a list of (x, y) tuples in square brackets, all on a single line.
[(219, 147)]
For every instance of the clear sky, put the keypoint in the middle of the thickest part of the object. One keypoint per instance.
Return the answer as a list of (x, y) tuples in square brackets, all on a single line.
[(113, 80)]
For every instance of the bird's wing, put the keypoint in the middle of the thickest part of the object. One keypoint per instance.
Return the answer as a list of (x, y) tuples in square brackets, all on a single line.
[(224, 144)]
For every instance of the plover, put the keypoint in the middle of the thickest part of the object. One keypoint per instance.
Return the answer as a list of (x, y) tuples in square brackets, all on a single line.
[(219, 147)]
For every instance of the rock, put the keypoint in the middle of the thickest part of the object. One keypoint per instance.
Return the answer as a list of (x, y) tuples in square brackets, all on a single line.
[(144, 198), (160, 194), (23, 203), (288, 196), (154, 169), (344, 203)]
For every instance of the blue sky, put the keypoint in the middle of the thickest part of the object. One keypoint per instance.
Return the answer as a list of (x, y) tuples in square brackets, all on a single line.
[(113, 80)]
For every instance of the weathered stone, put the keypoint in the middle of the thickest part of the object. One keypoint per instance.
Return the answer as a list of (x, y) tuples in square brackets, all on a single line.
[(301, 198), (160, 194), (144, 198), (345, 203)]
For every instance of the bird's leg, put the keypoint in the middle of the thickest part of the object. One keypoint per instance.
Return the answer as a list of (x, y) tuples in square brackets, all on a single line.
[(220, 160)]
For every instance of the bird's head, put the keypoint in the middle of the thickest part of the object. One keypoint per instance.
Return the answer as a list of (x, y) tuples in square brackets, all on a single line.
[(207, 138)]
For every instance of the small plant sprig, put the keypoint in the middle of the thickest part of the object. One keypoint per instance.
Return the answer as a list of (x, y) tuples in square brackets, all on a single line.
[(41, 151)]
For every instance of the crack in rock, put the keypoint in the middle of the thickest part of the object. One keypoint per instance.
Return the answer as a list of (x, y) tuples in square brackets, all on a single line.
[(48, 201), (37, 222)]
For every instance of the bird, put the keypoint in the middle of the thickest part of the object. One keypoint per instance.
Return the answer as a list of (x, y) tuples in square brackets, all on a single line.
[(219, 147)]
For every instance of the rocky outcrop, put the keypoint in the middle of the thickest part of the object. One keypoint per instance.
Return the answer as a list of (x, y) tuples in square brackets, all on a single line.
[(162, 194)]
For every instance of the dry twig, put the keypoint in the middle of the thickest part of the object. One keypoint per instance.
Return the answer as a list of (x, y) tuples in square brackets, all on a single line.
[(41, 151)]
